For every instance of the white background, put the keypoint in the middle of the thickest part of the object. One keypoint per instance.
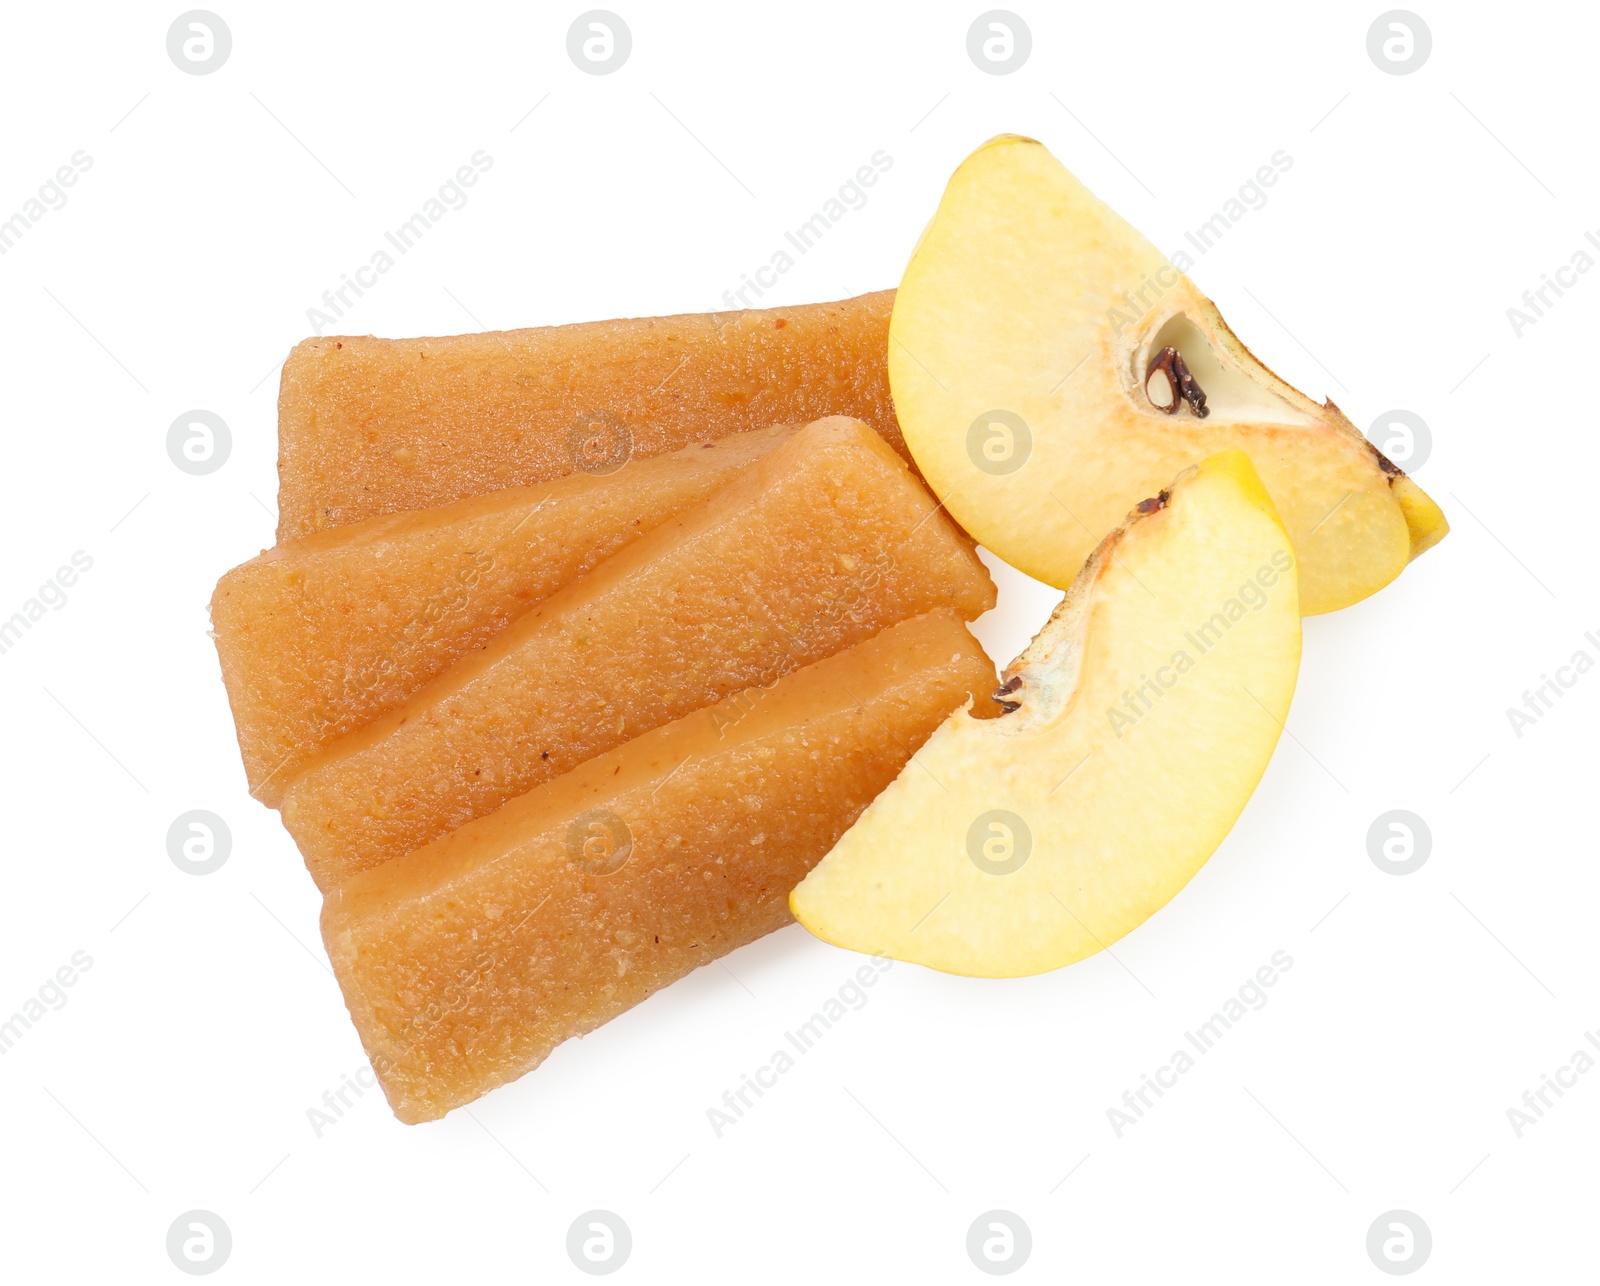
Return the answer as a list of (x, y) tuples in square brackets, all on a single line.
[(1419, 1008)]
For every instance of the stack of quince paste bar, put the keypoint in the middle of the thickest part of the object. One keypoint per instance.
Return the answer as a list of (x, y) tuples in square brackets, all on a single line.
[(579, 647)]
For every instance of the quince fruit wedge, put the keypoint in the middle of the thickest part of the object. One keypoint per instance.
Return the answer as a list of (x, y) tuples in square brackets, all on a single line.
[(1050, 366), (1138, 723)]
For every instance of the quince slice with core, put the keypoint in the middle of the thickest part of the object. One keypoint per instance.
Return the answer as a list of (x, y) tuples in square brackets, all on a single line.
[(1138, 723), (1050, 366)]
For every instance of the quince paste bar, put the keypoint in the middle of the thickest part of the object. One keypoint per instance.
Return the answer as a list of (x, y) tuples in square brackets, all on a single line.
[(372, 426), (464, 964), (822, 543), (320, 636)]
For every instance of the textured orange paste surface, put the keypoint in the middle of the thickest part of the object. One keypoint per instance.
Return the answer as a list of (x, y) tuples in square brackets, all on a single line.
[(372, 426), (820, 544), (320, 636), (464, 964)]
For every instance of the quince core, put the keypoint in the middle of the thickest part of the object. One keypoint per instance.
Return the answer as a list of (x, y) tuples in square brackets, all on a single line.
[(1050, 366)]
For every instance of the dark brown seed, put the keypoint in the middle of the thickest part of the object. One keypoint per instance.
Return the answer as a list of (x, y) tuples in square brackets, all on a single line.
[(999, 695), (1162, 362), (1189, 387), (1185, 388)]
